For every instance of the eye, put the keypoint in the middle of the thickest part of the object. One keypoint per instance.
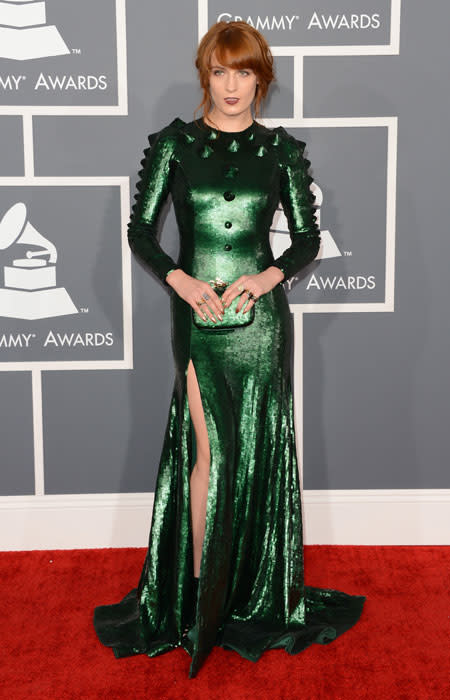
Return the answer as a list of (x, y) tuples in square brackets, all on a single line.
[(245, 71), (217, 71)]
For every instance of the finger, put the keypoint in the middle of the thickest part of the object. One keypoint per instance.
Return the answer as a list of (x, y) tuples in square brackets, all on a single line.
[(212, 304), (210, 312), (247, 302), (214, 313), (232, 295), (218, 303), (198, 310), (248, 306), (203, 311), (214, 301), (232, 290), (241, 302)]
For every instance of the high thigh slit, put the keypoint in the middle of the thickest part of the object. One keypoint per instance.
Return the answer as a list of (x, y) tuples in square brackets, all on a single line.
[(212, 589), (200, 460), (251, 594)]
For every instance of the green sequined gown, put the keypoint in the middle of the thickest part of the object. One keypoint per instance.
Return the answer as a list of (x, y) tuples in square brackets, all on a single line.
[(225, 188)]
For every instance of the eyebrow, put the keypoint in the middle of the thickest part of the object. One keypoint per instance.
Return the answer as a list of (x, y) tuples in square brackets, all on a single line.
[(227, 67)]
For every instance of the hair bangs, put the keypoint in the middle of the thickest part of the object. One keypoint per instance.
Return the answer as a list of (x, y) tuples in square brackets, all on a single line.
[(235, 50)]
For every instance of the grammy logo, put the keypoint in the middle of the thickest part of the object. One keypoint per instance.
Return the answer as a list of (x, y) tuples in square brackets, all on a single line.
[(30, 282), (24, 33), (279, 228)]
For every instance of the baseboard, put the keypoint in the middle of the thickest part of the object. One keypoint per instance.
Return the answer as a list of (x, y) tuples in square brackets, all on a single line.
[(362, 517)]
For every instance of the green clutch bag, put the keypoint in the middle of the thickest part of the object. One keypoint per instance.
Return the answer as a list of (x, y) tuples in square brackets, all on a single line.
[(230, 319)]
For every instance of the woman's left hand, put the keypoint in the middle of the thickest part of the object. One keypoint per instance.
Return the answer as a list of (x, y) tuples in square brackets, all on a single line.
[(258, 284)]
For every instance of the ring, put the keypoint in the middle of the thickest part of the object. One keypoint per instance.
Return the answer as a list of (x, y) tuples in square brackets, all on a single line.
[(240, 288), (205, 296), (200, 302), (250, 294)]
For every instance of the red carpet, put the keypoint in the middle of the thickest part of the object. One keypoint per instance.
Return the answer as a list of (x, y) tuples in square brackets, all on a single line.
[(399, 650)]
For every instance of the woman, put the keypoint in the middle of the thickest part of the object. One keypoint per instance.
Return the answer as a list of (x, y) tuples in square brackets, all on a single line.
[(224, 564)]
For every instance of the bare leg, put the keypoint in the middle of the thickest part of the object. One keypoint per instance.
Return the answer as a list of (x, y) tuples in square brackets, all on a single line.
[(200, 473)]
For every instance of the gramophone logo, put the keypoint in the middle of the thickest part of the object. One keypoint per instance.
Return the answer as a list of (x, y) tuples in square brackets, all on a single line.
[(24, 33), (30, 290), (281, 241)]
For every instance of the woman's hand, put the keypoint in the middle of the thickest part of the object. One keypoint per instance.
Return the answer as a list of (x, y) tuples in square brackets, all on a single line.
[(193, 290), (258, 284)]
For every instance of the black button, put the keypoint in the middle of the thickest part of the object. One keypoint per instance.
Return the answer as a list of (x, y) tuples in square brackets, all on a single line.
[(228, 224), (228, 246), (229, 196)]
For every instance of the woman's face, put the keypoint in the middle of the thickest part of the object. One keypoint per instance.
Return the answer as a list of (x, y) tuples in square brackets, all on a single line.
[(232, 90)]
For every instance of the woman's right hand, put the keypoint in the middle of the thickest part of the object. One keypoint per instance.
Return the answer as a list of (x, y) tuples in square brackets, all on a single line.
[(192, 290)]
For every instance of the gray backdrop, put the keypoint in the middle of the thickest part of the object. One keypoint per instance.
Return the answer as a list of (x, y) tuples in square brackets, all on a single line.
[(375, 384)]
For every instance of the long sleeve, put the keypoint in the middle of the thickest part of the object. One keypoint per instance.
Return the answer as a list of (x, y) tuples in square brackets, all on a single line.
[(297, 201), (152, 191)]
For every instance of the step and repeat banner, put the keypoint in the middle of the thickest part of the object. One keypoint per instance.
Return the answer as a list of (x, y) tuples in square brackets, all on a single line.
[(86, 367)]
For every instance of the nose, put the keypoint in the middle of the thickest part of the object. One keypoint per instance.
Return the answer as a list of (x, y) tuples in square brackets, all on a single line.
[(230, 82)]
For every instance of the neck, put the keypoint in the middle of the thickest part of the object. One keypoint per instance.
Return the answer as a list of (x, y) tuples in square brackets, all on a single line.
[(238, 123)]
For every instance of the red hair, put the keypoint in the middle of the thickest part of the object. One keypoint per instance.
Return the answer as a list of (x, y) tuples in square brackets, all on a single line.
[(237, 45)]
